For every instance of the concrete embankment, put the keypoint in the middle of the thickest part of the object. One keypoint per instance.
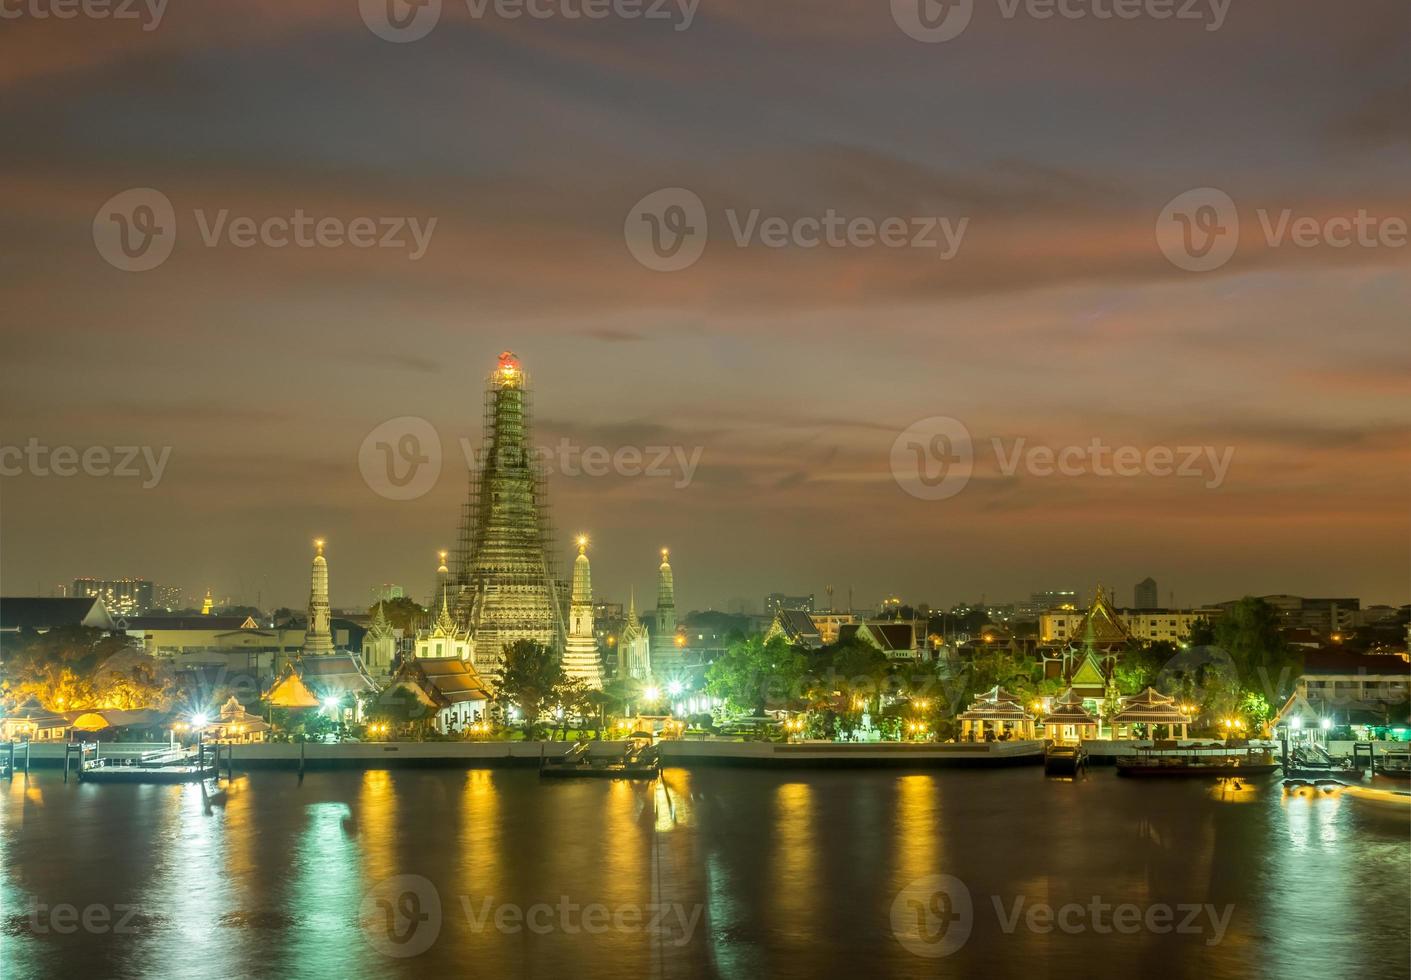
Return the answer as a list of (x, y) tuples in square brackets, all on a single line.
[(475, 755)]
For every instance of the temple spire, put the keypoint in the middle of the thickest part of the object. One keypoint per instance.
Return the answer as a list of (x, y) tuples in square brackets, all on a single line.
[(580, 658), (318, 634), (665, 653)]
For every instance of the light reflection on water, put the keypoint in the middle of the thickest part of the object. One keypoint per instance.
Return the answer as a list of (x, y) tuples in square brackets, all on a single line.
[(790, 874)]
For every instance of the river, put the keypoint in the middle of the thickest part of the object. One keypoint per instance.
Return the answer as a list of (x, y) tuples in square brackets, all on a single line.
[(729, 873)]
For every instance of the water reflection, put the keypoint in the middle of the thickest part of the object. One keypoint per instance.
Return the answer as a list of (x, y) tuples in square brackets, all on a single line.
[(794, 867)]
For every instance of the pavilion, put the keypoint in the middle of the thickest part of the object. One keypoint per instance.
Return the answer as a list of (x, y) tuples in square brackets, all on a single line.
[(1150, 708), (1069, 720), (1002, 711)]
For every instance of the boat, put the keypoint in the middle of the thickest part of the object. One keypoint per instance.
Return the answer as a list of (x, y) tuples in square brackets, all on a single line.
[(1392, 765), (1313, 762), (1064, 759), (1147, 762), (1391, 800), (639, 760)]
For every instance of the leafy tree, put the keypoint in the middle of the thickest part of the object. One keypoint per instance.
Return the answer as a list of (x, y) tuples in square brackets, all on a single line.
[(402, 613), (531, 677), (1202, 633), (754, 673), (1251, 632)]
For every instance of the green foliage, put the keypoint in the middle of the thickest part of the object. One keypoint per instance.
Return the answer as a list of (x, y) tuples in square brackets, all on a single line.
[(402, 613), (531, 678), (755, 673), (1250, 634), (77, 667), (1202, 633)]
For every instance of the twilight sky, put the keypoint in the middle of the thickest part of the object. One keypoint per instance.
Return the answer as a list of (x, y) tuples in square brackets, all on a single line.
[(793, 370)]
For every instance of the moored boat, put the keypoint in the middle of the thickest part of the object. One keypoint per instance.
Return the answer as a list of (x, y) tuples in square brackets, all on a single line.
[(1151, 763)]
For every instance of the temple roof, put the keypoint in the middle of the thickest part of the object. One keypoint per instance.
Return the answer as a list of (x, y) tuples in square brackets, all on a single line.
[(1150, 707), (1101, 625)]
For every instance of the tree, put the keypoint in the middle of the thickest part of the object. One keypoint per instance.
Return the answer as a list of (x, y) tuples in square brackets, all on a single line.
[(1251, 633), (755, 672), (402, 613), (531, 675), (1202, 633)]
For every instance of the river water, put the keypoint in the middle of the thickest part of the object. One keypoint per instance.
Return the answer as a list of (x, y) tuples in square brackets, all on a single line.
[(706, 873)]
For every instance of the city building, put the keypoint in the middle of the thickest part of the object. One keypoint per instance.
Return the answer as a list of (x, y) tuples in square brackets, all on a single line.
[(778, 602), (121, 596), (1041, 602), (1144, 595), (42, 614), (1113, 628), (168, 597), (318, 634), (580, 656), (1350, 687), (1322, 616), (504, 585)]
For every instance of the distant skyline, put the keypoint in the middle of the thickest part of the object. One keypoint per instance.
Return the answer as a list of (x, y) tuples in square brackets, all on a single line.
[(794, 371)]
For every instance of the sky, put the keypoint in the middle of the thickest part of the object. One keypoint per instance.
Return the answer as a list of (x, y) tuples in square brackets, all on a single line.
[(875, 417)]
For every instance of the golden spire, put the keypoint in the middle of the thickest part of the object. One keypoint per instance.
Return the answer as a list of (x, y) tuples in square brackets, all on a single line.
[(582, 544)]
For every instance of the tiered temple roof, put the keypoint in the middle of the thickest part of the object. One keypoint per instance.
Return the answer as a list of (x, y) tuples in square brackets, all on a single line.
[(1150, 707)]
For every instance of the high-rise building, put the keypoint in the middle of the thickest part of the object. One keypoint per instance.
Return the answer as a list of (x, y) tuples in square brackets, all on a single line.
[(318, 635), (778, 602), (665, 652), (1145, 595), (168, 597), (504, 576), (1041, 602), (580, 655), (121, 596)]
